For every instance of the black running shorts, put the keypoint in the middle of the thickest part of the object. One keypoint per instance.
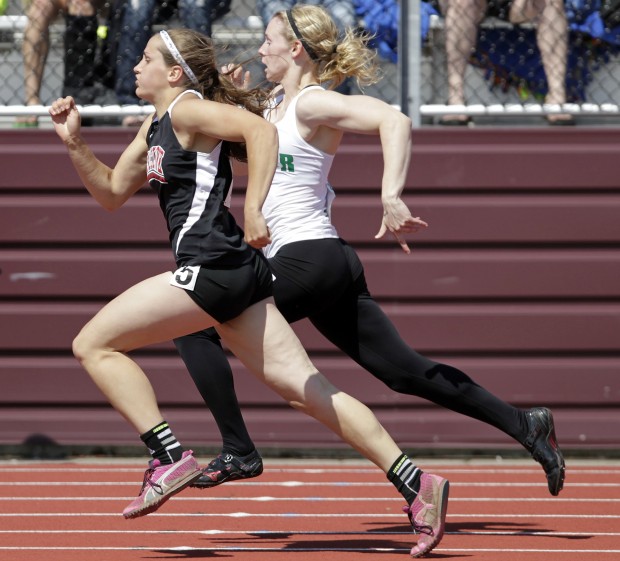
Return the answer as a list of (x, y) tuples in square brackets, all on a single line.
[(225, 293)]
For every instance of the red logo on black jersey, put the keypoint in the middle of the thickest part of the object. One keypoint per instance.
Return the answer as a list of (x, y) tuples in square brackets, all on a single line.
[(154, 169)]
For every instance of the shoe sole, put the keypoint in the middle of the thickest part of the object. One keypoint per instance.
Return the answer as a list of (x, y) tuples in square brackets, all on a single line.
[(154, 505), (207, 485), (443, 509)]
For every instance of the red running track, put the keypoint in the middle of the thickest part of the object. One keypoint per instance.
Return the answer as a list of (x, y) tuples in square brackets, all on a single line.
[(307, 510)]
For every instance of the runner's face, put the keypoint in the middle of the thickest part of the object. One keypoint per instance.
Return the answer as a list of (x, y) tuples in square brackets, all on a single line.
[(151, 72), (275, 51)]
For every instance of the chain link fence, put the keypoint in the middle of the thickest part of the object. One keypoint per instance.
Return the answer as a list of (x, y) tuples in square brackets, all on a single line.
[(237, 32), (504, 78)]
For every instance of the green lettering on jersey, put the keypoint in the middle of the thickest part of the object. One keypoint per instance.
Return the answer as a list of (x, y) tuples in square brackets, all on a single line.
[(286, 163)]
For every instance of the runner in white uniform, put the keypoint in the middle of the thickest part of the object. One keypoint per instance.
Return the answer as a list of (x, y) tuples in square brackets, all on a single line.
[(319, 276), (298, 206)]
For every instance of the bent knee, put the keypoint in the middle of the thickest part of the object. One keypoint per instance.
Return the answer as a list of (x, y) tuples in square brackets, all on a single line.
[(79, 347), (85, 347)]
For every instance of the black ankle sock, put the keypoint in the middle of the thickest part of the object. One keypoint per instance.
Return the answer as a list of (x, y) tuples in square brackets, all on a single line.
[(162, 444), (405, 477)]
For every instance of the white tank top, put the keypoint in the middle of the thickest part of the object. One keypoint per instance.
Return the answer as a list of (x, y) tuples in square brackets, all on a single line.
[(298, 206)]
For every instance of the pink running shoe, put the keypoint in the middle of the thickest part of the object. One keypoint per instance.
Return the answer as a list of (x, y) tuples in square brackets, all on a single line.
[(162, 482), (427, 513)]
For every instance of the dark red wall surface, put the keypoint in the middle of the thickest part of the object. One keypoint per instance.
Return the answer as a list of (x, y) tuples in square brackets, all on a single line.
[(516, 281)]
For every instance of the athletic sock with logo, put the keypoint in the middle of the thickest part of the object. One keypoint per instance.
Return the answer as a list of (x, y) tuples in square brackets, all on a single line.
[(162, 444), (405, 477)]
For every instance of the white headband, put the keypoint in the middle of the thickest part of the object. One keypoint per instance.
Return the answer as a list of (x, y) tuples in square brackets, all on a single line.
[(177, 56)]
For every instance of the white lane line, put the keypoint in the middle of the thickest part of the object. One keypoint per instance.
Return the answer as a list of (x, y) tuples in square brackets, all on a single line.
[(279, 533), (373, 515), (286, 549), (121, 468), (593, 485), (289, 549), (520, 550), (267, 499)]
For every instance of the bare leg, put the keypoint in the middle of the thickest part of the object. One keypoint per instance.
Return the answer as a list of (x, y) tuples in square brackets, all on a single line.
[(149, 312), (130, 321), (462, 20), (153, 311), (552, 40), (260, 337), (35, 48), (263, 340)]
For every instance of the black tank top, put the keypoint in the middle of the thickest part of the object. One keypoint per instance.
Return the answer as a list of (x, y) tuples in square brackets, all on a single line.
[(192, 188)]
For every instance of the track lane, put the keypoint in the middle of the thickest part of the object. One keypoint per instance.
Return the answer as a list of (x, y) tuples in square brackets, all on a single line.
[(71, 512)]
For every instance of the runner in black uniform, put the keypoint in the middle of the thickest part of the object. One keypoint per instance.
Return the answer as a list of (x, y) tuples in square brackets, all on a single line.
[(209, 248), (221, 281), (319, 276)]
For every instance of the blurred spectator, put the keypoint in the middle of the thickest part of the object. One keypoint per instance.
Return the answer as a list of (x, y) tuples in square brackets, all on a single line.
[(136, 21), (80, 51), (342, 12), (462, 18), (380, 18)]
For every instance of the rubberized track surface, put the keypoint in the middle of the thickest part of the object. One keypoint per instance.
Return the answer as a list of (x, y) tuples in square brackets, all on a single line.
[(307, 510)]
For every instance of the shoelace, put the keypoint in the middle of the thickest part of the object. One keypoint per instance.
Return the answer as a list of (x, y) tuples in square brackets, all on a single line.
[(421, 528), (148, 481)]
